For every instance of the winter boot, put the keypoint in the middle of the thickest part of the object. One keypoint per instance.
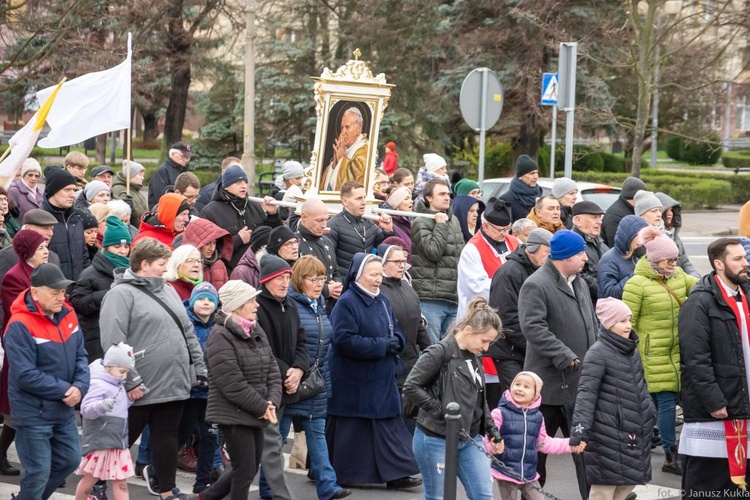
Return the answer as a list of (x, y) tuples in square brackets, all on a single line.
[(6, 469), (671, 464), (656, 438)]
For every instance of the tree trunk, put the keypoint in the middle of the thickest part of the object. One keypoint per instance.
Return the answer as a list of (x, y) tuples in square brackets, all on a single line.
[(101, 147), (178, 44), (527, 140), (150, 126), (644, 29)]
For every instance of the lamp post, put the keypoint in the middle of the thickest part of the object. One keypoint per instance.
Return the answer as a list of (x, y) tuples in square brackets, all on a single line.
[(248, 153)]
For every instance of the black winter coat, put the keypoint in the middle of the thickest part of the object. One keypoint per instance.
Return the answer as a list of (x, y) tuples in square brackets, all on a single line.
[(612, 218), (712, 363), (281, 322), (614, 413), (68, 241), (86, 297), (322, 248), (405, 304), (232, 214), (242, 375), (504, 290), (162, 181), (595, 248), (350, 235)]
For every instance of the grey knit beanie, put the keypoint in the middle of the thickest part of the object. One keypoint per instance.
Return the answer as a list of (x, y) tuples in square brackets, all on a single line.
[(645, 201), (563, 186), (120, 355)]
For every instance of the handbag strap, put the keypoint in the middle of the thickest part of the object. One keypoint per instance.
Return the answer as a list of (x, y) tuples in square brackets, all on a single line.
[(671, 292), (167, 309), (320, 336)]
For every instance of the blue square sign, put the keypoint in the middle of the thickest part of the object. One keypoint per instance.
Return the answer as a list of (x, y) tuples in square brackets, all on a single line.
[(549, 89)]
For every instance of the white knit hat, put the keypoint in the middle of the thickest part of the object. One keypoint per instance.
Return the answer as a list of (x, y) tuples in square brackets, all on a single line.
[(120, 355), (235, 293), (433, 162), (30, 165)]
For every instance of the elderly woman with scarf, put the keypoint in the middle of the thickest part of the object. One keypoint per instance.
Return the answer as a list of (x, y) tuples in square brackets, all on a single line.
[(184, 270), (214, 244), (24, 192), (367, 439)]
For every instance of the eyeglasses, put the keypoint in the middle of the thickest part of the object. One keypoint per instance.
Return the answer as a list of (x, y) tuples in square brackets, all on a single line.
[(501, 230), (192, 261), (397, 262), (670, 261), (317, 281), (291, 243)]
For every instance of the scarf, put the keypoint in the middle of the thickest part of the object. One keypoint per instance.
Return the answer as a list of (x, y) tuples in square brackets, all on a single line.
[(247, 325), (736, 429), (193, 282), (117, 260), (524, 193), (661, 272)]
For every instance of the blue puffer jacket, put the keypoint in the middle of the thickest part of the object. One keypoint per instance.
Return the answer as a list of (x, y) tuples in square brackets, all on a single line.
[(201, 332), (520, 429), (614, 269), (312, 322)]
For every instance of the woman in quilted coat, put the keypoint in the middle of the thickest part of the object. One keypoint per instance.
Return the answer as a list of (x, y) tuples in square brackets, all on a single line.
[(654, 294), (214, 244)]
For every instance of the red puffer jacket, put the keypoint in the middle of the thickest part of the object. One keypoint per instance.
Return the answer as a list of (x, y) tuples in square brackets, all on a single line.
[(200, 232)]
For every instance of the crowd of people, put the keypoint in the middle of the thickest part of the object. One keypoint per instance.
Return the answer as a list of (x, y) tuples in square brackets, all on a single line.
[(201, 324)]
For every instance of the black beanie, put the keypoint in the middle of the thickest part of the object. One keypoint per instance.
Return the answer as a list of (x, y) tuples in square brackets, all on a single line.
[(271, 267), (89, 221), (278, 237), (631, 186), (524, 165), (183, 206), (259, 238), (57, 179)]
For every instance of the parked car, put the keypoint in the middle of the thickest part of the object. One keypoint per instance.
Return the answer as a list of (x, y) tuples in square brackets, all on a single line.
[(601, 194)]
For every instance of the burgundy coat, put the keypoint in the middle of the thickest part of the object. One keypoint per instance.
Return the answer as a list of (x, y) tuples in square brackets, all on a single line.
[(183, 288), (15, 282), (248, 270), (198, 233)]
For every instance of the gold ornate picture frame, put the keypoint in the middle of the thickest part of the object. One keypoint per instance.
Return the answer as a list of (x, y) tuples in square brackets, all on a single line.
[(349, 106)]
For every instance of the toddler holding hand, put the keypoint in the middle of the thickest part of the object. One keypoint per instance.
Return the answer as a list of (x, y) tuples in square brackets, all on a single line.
[(104, 409), (522, 426)]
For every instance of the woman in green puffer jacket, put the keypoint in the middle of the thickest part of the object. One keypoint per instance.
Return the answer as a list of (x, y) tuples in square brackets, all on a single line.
[(655, 293)]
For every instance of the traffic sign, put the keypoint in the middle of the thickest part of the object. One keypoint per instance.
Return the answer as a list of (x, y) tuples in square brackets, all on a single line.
[(481, 94), (549, 89)]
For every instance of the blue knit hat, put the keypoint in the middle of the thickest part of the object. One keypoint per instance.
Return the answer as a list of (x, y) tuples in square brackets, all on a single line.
[(204, 289), (565, 243), (231, 175)]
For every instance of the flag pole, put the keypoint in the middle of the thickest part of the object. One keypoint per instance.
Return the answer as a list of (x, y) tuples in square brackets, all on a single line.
[(127, 163), (7, 152)]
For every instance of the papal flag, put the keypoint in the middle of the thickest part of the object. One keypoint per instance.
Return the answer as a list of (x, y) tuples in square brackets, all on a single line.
[(90, 105), (25, 139)]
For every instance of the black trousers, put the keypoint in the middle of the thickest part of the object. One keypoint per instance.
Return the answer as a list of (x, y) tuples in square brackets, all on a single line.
[(194, 423), (709, 478), (559, 418), (245, 446), (507, 369), (163, 420)]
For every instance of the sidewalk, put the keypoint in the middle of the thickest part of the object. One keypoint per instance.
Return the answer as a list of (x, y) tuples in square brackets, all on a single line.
[(720, 222)]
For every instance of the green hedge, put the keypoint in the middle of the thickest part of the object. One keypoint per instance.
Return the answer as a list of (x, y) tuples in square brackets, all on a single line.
[(585, 159), (694, 152), (739, 158), (693, 191)]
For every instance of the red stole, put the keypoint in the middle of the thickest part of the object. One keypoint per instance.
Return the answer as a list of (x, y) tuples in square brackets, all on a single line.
[(491, 261), (736, 430)]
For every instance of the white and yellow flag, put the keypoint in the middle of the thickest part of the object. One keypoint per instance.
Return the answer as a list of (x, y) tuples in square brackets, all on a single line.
[(25, 139), (90, 105)]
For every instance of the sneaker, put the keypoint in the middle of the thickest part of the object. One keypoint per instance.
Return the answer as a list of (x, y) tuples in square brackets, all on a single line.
[(177, 495), (98, 492), (149, 475), (139, 466)]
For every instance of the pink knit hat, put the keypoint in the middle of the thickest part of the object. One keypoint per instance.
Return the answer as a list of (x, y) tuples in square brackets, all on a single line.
[(537, 382), (611, 310), (398, 196), (661, 248)]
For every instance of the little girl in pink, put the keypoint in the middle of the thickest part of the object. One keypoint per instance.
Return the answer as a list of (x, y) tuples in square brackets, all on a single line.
[(522, 427), (104, 409)]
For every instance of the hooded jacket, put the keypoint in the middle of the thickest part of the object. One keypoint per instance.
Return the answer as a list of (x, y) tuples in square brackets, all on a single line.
[(504, 291), (163, 180), (140, 207), (436, 250), (559, 325), (48, 359), (242, 374), (281, 322), (460, 209), (159, 224), (612, 217), (614, 413), (682, 259), (201, 232), (103, 431), (390, 163), (232, 214), (363, 369), (712, 358), (655, 313), (172, 356), (614, 269), (524, 434), (86, 296), (68, 241)]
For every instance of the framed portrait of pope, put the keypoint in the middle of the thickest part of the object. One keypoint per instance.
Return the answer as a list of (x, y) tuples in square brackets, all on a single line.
[(349, 106)]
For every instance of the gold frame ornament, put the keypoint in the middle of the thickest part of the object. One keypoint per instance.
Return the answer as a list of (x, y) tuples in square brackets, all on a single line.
[(349, 104)]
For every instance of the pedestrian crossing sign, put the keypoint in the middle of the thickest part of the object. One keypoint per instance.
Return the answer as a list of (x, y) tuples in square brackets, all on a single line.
[(549, 89)]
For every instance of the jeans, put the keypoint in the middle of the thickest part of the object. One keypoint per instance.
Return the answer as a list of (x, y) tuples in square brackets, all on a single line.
[(666, 409), (317, 452), (144, 449), (440, 315), (473, 466), (48, 454)]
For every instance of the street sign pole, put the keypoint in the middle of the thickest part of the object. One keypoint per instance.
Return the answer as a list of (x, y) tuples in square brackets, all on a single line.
[(567, 99), (482, 123), (554, 143)]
